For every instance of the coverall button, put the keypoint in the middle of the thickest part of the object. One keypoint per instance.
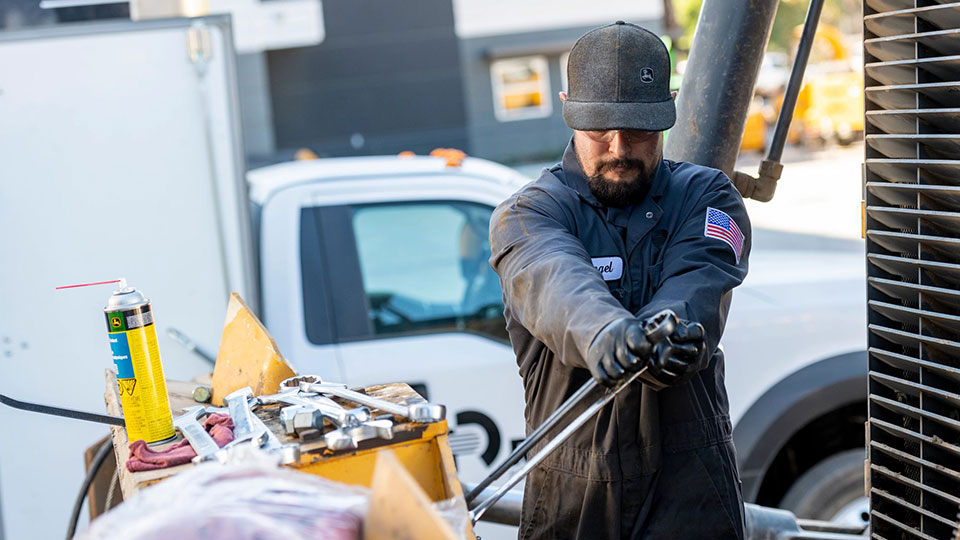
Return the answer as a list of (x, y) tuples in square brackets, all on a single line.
[(649, 215)]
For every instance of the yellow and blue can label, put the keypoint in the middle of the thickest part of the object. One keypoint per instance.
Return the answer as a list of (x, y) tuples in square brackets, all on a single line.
[(143, 390)]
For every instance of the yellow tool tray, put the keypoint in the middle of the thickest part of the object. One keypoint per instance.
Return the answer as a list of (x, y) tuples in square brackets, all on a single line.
[(422, 450)]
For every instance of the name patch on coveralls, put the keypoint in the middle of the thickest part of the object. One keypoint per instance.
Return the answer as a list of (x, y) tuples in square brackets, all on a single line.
[(611, 268)]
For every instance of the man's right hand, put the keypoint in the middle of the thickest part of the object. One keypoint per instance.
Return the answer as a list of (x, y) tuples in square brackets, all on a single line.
[(619, 348)]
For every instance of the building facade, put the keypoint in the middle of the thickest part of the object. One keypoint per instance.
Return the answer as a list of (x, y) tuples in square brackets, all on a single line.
[(378, 77)]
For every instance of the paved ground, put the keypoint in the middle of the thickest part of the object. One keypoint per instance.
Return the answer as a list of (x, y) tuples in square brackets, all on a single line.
[(819, 193)]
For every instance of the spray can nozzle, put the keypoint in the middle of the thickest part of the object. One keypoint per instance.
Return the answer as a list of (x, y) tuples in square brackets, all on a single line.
[(122, 284)]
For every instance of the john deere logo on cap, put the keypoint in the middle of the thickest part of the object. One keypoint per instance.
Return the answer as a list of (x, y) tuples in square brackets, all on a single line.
[(646, 75)]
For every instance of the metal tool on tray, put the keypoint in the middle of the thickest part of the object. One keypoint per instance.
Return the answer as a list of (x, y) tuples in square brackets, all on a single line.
[(292, 395), (309, 409), (350, 436), (245, 424), (658, 328), (299, 418), (255, 439), (422, 412), (188, 424)]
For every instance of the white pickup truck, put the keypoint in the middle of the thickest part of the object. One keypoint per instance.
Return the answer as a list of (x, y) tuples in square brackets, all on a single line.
[(365, 270), (375, 269)]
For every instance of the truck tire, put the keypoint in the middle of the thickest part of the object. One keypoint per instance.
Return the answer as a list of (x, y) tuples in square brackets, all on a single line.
[(831, 491)]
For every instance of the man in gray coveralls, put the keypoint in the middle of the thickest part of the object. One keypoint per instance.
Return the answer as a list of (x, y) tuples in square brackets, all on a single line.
[(588, 252)]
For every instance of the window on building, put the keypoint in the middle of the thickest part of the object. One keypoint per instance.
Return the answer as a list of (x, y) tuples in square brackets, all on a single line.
[(521, 88)]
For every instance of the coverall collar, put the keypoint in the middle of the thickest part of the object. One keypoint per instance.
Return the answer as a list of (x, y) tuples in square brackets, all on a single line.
[(575, 178)]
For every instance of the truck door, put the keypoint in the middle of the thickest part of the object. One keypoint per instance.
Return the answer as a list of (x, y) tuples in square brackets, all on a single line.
[(418, 302)]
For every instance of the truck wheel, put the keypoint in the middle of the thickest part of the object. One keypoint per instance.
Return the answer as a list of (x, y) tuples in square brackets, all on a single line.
[(831, 491)]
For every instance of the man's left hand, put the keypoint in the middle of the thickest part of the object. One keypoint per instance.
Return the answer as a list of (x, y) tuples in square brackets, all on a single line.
[(677, 359), (690, 344)]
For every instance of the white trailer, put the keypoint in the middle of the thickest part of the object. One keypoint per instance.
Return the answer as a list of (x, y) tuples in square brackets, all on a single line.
[(120, 155)]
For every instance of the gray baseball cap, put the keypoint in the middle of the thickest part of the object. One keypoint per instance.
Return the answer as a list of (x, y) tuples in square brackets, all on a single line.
[(618, 77)]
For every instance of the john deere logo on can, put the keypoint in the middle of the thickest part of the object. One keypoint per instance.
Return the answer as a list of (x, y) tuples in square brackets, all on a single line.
[(116, 322), (646, 75)]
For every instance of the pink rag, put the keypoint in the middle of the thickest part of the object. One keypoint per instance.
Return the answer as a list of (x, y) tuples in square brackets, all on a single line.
[(142, 458)]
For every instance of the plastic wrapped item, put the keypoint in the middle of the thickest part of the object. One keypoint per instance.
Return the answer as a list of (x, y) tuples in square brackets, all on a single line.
[(454, 511), (237, 502)]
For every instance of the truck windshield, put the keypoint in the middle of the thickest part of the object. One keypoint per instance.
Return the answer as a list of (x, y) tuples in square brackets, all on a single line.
[(425, 267)]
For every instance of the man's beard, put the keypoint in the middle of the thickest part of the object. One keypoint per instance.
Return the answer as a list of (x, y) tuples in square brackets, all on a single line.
[(624, 192)]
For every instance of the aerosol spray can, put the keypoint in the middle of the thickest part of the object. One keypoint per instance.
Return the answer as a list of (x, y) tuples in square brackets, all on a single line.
[(143, 390)]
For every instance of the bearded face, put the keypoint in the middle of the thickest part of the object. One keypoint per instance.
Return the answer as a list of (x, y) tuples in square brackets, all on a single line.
[(628, 187), (619, 164)]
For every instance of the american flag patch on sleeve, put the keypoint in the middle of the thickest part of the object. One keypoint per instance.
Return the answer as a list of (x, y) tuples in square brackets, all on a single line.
[(722, 227)]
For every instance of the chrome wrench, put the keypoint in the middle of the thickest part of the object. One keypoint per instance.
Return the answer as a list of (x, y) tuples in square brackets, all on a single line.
[(246, 423), (297, 418), (188, 424), (338, 415), (418, 412), (309, 409), (349, 436)]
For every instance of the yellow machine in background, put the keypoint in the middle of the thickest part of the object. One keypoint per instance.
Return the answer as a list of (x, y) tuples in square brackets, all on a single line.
[(829, 105), (755, 129)]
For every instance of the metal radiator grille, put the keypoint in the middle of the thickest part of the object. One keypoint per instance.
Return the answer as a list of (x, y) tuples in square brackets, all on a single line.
[(912, 189)]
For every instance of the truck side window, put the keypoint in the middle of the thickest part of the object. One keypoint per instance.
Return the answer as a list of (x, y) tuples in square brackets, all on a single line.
[(425, 268)]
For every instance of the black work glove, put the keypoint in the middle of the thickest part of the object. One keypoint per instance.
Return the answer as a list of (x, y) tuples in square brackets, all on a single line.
[(677, 359), (619, 348)]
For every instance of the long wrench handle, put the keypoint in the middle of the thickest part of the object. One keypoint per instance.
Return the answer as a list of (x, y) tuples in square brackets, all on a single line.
[(245, 421), (201, 441), (337, 414), (363, 399), (608, 396), (239, 408), (327, 407), (538, 434), (657, 328)]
